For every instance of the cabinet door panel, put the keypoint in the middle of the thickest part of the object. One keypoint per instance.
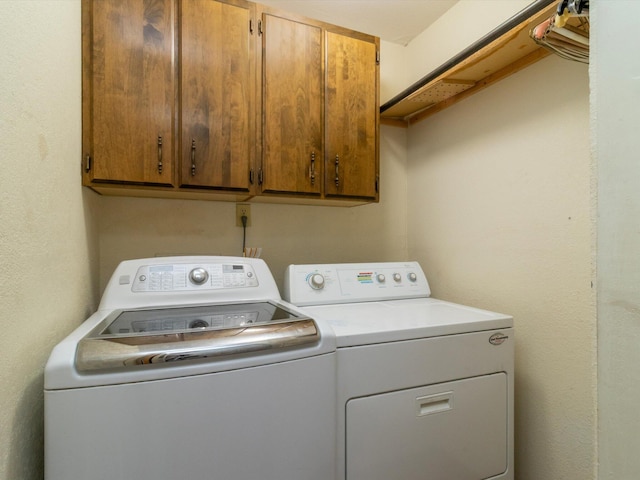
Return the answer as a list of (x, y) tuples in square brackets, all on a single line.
[(217, 95), (132, 80), (351, 117), (292, 123)]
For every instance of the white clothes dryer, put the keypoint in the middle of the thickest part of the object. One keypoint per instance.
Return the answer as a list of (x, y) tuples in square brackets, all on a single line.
[(425, 387), (194, 368)]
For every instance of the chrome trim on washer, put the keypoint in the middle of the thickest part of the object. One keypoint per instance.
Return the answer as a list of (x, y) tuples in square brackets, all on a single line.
[(96, 353)]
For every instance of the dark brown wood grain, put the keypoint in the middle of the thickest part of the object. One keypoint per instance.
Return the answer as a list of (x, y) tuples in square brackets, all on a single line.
[(129, 77), (227, 100), (292, 129), (351, 117), (217, 99)]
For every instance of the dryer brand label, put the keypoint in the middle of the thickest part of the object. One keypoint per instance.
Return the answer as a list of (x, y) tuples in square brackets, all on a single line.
[(498, 338)]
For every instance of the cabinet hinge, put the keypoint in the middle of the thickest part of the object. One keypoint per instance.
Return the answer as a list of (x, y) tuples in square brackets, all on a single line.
[(377, 57), (87, 163), (378, 183)]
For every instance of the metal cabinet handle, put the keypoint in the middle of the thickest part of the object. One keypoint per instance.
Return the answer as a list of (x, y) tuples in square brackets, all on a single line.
[(193, 158), (312, 168), (337, 171), (159, 153)]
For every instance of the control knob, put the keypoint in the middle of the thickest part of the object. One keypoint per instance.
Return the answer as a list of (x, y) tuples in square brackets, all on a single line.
[(380, 277), (412, 277), (316, 281), (198, 324), (198, 275), (397, 277)]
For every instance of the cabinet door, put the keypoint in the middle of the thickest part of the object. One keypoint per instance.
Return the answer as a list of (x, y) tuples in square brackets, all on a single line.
[(351, 141), (128, 90), (217, 94), (292, 122)]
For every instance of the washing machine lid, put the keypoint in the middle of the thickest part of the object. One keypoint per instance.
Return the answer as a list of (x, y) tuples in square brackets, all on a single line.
[(370, 323), (144, 336)]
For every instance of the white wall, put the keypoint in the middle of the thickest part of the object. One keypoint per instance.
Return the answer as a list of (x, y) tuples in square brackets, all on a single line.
[(393, 70), (500, 216), (615, 77), (47, 273), (461, 26)]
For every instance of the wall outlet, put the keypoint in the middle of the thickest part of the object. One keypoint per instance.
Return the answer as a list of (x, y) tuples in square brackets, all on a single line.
[(243, 209)]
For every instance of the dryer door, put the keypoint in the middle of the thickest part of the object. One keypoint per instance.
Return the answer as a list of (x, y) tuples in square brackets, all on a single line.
[(450, 431)]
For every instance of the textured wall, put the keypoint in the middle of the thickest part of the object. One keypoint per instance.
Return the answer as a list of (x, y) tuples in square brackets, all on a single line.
[(500, 217), (461, 26), (46, 279), (615, 74)]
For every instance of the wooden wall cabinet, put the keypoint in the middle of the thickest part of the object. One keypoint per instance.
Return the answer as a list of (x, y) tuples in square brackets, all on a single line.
[(352, 130), (217, 95), (292, 147), (129, 82), (320, 123), (227, 100)]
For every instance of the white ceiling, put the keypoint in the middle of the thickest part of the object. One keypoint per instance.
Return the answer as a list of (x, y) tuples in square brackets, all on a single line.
[(396, 21)]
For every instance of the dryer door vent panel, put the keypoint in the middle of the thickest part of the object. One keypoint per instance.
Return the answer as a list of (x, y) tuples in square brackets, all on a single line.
[(455, 430)]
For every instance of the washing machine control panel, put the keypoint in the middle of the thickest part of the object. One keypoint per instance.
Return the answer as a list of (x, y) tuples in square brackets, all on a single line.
[(186, 277), (346, 283)]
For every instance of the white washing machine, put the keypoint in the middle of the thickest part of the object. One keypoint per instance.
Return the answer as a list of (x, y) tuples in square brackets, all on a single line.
[(425, 387), (192, 368)]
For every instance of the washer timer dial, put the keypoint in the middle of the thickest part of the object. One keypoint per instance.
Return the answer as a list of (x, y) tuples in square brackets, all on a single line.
[(198, 275), (316, 281)]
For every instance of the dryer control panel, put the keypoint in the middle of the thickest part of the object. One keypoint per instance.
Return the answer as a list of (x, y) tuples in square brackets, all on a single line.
[(354, 282)]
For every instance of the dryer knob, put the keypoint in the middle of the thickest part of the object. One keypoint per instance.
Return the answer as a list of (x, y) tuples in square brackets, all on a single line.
[(316, 281), (397, 277), (381, 278), (198, 276), (412, 277)]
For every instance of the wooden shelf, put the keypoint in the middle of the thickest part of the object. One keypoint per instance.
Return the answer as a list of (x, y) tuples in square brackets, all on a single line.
[(500, 53)]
